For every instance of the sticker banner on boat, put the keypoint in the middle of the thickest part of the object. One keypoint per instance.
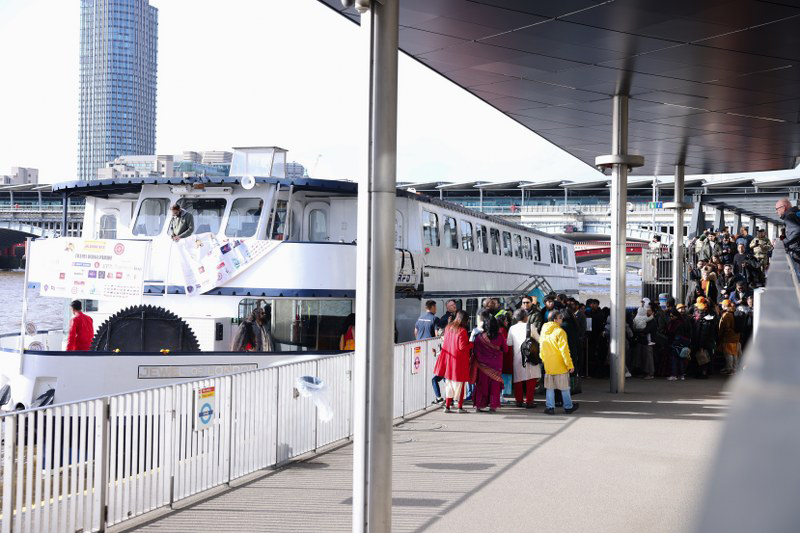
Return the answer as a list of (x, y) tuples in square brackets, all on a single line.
[(88, 269), (209, 261)]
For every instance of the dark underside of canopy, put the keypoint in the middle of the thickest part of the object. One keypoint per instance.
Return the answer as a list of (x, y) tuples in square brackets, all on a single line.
[(714, 84)]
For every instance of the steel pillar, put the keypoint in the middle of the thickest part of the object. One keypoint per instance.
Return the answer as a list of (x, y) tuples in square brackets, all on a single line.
[(677, 236), (737, 223), (480, 203), (374, 359), (719, 218), (752, 226), (64, 210), (620, 162), (698, 221)]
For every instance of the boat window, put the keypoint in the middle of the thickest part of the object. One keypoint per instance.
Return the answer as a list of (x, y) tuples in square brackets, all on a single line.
[(559, 257), (472, 311), (564, 255), (507, 244), (317, 225), (552, 253), (207, 213), (243, 220), (108, 227), (483, 238), (449, 233), (301, 325), (517, 246), (466, 236), (526, 248), (430, 229), (151, 217), (537, 250), (495, 235)]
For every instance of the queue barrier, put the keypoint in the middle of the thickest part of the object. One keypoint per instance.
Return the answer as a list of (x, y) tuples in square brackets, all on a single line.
[(92, 464)]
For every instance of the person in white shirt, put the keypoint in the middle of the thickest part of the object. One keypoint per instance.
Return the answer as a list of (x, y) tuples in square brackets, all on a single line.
[(525, 374)]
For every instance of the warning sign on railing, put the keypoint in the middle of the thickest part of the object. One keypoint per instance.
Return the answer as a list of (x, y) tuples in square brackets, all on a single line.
[(416, 359), (205, 403)]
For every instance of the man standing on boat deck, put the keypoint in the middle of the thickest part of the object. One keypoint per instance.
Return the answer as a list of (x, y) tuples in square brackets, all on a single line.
[(181, 225), (81, 329)]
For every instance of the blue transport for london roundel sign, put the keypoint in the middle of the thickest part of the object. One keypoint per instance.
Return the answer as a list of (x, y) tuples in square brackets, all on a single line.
[(206, 412)]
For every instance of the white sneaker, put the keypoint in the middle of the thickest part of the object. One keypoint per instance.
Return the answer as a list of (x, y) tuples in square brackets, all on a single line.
[(672, 378), (627, 374), (683, 378)]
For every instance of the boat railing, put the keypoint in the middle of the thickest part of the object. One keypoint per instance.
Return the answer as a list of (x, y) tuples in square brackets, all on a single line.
[(91, 464)]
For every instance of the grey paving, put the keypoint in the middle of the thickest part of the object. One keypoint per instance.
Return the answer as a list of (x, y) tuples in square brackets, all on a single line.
[(632, 462)]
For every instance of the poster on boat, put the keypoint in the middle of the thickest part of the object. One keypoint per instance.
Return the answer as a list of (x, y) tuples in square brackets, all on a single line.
[(209, 261), (74, 268)]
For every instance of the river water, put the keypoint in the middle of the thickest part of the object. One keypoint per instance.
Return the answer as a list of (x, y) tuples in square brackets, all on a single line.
[(45, 313)]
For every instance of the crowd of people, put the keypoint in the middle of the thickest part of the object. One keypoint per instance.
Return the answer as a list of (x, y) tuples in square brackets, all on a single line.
[(509, 352)]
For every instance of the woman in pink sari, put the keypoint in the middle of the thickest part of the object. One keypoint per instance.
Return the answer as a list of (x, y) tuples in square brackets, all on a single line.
[(488, 348)]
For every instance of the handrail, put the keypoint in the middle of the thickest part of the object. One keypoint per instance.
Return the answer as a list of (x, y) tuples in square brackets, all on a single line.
[(76, 465), (754, 483)]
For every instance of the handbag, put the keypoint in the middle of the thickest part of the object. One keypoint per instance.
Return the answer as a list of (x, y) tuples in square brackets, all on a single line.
[(702, 357)]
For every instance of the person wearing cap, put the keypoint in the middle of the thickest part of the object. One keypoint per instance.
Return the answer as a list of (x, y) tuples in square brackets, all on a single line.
[(729, 341), (761, 247), (181, 225), (704, 336)]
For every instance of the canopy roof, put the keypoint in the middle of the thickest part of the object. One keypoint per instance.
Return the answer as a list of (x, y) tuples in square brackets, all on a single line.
[(714, 84)]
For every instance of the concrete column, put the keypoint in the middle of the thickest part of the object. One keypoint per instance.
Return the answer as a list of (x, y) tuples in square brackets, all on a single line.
[(752, 226), (619, 161), (374, 361), (677, 238)]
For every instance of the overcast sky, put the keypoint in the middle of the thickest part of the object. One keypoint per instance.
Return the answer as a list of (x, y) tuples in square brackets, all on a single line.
[(256, 72)]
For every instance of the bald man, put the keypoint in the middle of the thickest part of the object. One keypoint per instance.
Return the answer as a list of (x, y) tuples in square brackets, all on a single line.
[(791, 218)]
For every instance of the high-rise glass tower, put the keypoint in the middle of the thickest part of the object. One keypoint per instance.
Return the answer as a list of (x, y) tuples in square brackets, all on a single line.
[(119, 41)]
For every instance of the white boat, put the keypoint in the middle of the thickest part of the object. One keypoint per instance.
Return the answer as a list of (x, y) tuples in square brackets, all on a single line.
[(300, 235)]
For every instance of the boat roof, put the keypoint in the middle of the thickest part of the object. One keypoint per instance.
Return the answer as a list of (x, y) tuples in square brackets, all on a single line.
[(134, 185)]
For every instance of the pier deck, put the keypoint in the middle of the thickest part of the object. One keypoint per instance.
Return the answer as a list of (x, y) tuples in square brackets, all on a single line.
[(516, 470)]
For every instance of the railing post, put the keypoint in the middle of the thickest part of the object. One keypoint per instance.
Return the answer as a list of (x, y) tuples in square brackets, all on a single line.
[(9, 467), (105, 465)]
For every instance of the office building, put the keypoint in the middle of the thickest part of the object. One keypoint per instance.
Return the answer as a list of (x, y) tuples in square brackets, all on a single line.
[(117, 82), (20, 175)]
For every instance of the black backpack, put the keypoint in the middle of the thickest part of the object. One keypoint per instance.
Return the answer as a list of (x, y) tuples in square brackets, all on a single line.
[(529, 351)]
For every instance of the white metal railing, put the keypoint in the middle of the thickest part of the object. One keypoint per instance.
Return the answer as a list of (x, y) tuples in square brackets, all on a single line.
[(95, 463)]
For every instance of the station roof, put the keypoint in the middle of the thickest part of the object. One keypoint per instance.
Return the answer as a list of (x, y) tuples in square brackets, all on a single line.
[(714, 84)]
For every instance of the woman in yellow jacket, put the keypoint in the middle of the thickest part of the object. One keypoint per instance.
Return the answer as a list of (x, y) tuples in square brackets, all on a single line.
[(557, 363)]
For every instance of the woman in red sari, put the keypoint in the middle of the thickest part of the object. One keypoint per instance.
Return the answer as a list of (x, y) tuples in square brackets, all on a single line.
[(456, 348), (489, 349)]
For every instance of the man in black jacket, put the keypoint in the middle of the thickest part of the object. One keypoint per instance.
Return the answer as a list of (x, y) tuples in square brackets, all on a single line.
[(726, 282), (791, 218)]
